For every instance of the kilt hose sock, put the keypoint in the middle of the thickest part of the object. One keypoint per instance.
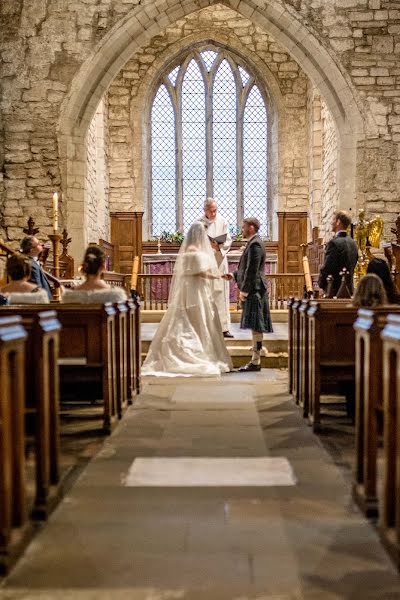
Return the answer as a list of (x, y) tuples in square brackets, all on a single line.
[(257, 345)]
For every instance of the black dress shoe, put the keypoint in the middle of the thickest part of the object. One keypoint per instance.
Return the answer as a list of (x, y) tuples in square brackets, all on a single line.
[(250, 367), (227, 334)]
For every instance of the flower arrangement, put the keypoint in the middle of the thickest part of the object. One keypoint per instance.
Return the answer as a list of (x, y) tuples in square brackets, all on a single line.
[(168, 237)]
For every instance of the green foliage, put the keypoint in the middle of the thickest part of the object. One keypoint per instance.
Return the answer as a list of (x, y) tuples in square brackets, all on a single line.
[(236, 233), (171, 238)]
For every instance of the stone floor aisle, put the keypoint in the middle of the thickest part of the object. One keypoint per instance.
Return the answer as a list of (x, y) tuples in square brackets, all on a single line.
[(161, 528)]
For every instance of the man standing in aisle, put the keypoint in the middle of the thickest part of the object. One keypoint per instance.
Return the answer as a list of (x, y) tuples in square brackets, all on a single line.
[(217, 226), (252, 286)]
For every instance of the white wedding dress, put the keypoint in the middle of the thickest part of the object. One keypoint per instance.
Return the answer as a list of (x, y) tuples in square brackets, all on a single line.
[(189, 340)]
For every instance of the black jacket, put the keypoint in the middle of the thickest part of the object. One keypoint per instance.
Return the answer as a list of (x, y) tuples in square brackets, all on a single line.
[(38, 276), (341, 251), (250, 274)]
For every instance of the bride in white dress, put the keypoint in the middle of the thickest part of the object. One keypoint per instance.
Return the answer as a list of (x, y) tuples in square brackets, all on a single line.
[(189, 340)]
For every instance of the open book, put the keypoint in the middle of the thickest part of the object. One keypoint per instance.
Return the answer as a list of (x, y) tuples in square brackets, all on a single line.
[(220, 239)]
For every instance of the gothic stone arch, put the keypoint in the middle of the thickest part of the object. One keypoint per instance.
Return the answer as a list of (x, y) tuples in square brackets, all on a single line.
[(120, 44)]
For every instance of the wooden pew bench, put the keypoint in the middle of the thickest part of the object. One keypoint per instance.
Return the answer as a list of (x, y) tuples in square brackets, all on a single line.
[(303, 356), (290, 303), (135, 347), (88, 357), (295, 331), (41, 401), (15, 528), (389, 508), (41, 395), (369, 403), (331, 354)]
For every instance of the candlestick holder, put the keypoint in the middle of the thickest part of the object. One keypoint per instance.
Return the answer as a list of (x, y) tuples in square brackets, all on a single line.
[(159, 245), (55, 240)]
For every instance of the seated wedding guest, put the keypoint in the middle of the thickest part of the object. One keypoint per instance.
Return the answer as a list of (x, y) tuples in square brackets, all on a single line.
[(379, 267), (31, 247), (20, 290), (94, 289), (370, 292)]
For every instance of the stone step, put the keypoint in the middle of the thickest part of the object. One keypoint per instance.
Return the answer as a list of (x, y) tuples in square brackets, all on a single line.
[(271, 360), (155, 316), (275, 345), (241, 346)]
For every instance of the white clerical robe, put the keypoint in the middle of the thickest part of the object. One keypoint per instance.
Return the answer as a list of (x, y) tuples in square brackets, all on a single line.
[(216, 227)]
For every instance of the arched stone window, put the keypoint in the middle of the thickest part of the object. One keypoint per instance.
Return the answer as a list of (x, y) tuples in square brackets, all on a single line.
[(209, 136)]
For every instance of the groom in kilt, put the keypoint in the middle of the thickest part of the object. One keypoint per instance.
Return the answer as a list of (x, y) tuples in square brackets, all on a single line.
[(252, 286)]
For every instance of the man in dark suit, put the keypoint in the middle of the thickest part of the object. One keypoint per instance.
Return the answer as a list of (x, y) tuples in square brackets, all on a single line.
[(340, 252), (31, 246), (252, 286)]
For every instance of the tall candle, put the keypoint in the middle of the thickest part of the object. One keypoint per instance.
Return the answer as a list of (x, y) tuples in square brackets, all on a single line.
[(55, 212), (159, 225)]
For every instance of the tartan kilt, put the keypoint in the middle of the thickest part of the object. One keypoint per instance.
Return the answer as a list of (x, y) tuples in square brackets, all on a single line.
[(255, 313)]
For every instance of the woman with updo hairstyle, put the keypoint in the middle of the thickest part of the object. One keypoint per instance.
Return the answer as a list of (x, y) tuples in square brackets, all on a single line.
[(94, 289), (370, 292), (19, 290)]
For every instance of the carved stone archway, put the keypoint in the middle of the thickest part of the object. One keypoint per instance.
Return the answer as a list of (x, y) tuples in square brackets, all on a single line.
[(138, 27)]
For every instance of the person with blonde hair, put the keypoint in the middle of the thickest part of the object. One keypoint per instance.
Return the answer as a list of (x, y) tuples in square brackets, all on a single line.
[(94, 289), (19, 290), (370, 292)]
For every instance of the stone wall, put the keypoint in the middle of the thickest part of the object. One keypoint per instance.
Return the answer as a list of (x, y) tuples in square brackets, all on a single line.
[(51, 50), (97, 191), (315, 157), (366, 36), (329, 173)]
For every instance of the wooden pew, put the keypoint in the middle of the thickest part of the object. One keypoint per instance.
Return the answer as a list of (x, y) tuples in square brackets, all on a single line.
[(121, 345), (331, 354), (131, 350), (290, 302), (296, 349), (137, 341), (41, 401), (88, 362), (303, 356), (369, 407), (15, 528), (389, 525)]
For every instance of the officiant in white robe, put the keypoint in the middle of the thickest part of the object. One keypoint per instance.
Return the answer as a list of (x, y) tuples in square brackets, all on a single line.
[(216, 225)]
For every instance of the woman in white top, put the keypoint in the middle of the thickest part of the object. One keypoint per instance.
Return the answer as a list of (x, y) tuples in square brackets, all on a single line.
[(189, 340), (20, 290), (94, 289)]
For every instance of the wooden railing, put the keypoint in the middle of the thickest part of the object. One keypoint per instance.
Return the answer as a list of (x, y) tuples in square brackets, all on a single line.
[(281, 286), (154, 289)]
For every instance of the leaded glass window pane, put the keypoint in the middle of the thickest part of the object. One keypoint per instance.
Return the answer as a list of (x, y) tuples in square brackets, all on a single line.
[(224, 142), (173, 75), (245, 77), (209, 57), (193, 143), (163, 162), (255, 158), (208, 139)]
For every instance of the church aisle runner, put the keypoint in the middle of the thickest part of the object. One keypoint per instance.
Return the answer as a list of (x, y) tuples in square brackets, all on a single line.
[(213, 490)]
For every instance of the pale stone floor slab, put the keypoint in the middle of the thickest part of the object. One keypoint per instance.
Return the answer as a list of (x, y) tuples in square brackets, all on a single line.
[(192, 472), (305, 541)]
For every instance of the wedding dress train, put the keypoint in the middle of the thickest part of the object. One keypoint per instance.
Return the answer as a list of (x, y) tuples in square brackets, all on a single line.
[(189, 340)]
